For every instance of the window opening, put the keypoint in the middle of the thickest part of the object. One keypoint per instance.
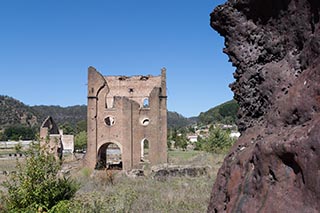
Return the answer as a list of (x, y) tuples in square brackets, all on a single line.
[(145, 121), (145, 145), (146, 103), (109, 121)]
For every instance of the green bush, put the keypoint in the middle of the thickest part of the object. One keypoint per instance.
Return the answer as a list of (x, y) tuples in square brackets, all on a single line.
[(36, 186), (218, 141), (80, 140)]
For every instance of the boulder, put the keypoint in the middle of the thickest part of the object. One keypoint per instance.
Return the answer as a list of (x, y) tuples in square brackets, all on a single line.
[(275, 164)]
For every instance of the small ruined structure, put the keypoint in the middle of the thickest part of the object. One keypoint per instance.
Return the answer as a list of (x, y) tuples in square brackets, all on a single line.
[(126, 112), (54, 139)]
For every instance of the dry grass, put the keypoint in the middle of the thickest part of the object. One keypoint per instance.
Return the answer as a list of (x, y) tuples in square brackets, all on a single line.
[(144, 194), (103, 191)]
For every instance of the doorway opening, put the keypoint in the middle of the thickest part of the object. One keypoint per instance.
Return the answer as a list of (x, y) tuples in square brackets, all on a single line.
[(109, 157)]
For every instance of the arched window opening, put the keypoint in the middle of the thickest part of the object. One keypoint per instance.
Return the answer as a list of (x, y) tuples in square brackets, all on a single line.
[(145, 145), (146, 103), (109, 157)]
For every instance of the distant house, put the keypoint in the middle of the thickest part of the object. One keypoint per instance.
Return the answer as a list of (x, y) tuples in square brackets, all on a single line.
[(235, 134), (193, 138)]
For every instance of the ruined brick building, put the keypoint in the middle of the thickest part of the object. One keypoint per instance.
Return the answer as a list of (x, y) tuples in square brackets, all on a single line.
[(53, 138), (126, 111)]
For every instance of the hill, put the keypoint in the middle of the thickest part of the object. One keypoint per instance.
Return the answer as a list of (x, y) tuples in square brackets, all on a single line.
[(62, 115), (14, 112), (176, 120), (224, 113)]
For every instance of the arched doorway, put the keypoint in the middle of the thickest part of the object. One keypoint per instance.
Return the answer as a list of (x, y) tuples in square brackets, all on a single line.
[(109, 157), (145, 146)]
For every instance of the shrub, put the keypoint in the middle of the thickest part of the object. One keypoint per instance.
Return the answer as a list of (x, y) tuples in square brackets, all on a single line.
[(218, 141), (35, 186)]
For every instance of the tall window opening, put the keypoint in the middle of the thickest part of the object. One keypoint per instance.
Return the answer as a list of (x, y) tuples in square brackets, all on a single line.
[(145, 145), (146, 103)]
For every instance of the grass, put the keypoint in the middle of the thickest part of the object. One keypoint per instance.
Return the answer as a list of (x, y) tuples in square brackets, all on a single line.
[(144, 194), (182, 155), (113, 191)]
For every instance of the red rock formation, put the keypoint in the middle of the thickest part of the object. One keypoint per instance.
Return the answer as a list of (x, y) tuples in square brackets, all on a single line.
[(275, 165)]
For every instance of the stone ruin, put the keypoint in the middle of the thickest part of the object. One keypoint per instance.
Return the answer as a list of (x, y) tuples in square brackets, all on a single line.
[(54, 139), (275, 165), (126, 112)]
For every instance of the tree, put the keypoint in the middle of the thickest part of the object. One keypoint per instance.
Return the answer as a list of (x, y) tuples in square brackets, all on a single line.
[(67, 128), (80, 140), (218, 141), (36, 187), (81, 126), (19, 133), (181, 141)]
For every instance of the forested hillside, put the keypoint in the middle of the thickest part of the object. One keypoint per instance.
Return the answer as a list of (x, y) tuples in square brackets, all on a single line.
[(14, 112), (225, 113), (62, 115), (176, 120)]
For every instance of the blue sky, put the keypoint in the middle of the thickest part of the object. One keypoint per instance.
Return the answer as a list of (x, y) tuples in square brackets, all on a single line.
[(46, 47)]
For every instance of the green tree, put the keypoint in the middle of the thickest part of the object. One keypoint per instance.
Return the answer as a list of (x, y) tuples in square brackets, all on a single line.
[(80, 140), (181, 141), (218, 141), (81, 126), (36, 187), (19, 133), (68, 129)]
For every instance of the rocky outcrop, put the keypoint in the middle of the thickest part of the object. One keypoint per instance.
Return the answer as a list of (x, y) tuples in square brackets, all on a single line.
[(275, 165)]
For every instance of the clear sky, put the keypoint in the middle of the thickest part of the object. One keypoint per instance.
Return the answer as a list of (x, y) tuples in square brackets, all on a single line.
[(46, 47)]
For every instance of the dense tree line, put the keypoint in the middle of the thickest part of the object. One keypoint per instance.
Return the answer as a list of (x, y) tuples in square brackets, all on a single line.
[(16, 133)]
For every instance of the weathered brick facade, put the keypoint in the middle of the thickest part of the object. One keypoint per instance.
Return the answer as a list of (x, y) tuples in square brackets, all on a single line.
[(126, 111)]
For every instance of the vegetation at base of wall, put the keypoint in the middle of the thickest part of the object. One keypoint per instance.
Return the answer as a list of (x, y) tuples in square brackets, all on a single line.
[(36, 185)]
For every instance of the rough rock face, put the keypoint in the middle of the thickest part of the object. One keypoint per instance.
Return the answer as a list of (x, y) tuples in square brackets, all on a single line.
[(275, 165)]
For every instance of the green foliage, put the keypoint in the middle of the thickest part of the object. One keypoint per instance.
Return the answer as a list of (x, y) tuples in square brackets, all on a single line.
[(3, 137), (218, 141), (80, 140), (35, 185), (81, 126), (16, 133), (67, 128), (225, 113), (180, 139)]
